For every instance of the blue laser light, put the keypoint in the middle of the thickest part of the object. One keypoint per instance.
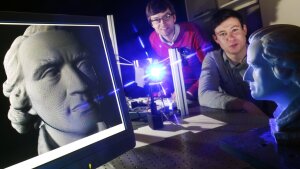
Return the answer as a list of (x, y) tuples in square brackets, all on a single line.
[(156, 72)]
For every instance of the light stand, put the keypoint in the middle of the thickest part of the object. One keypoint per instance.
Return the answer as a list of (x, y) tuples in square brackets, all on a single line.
[(179, 86)]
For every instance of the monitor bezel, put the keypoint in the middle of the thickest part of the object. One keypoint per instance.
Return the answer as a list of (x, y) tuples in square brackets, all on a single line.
[(103, 150)]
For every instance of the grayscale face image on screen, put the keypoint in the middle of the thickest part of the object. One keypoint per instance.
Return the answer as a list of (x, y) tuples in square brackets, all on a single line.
[(59, 91)]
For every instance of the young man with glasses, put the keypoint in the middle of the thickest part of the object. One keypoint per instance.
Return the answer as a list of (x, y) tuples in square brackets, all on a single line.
[(221, 82), (167, 34)]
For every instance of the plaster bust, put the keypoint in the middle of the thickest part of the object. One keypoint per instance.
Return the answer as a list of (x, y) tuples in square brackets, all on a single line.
[(51, 85), (273, 74)]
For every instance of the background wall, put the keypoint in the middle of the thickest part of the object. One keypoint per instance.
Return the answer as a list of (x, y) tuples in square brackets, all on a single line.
[(201, 11), (280, 12)]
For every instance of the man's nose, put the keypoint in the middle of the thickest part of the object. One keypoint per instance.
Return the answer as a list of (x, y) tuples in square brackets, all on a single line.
[(230, 36)]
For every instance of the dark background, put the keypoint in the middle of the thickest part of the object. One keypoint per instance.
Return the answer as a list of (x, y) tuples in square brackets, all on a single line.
[(127, 15), (130, 23)]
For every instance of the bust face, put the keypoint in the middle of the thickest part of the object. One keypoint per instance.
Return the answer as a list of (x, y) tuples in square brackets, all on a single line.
[(60, 81), (262, 82)]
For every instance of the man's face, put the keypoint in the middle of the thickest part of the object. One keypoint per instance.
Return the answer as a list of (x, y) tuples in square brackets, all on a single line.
[(163, 23), (231, 36), (58, 79), (263, 84)]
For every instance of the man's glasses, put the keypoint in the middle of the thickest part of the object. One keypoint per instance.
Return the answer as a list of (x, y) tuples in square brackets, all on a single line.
[(165, 18), (232, 32)]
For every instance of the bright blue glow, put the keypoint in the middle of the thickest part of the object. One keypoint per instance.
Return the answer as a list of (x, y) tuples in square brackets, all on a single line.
[(164, 91), (129, 83), (190, 55), (113, 92), (156, 72), (98, 98), (134, 28), (141, 42), (139, 38), (176, 119)]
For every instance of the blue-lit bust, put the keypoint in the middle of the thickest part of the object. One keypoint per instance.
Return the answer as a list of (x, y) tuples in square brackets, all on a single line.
[(274, 74)]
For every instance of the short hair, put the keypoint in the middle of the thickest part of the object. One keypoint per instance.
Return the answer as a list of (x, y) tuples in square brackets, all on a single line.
[(223, 14), (281, 49), (157, 6), (258, 34)]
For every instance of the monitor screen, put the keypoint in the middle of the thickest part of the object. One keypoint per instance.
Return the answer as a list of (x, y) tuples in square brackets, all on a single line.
[(63, 100)]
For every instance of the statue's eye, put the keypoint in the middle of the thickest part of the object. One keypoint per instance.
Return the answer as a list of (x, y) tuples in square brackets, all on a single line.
[(50, 72)]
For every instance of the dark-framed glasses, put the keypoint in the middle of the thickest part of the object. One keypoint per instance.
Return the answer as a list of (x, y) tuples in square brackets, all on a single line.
[(164, 18)]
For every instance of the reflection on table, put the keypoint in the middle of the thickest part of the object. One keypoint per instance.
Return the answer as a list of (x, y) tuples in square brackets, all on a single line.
[(199, 141)]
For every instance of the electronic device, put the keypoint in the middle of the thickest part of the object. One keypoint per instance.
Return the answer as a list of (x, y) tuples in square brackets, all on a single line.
[(93, 150)]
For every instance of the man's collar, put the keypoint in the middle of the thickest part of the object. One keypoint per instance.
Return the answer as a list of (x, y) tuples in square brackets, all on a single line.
[(232, 64), (177, 30)]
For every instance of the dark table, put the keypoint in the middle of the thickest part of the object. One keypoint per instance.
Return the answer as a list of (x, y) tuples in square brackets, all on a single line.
[(201, 145)]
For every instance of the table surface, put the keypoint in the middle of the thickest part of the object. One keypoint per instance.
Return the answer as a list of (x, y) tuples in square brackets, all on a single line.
[(194, 143)]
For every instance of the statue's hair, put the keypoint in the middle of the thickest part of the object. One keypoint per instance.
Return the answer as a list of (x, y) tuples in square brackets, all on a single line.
[(20, 112), (258, 34), (281, 49)]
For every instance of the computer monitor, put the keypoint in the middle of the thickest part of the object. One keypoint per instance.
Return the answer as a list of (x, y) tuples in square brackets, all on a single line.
[(63, 104)]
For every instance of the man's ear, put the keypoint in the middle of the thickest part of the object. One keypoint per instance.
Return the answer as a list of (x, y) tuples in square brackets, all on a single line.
[(174, 18), (215, 38), (245, 29)]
